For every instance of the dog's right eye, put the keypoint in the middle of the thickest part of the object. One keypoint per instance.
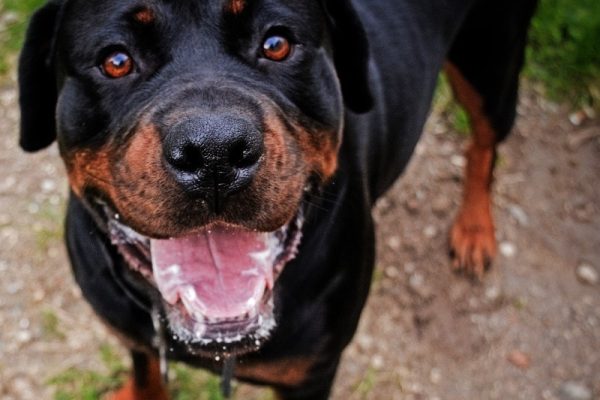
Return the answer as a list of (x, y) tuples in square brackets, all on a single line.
[(117, 65)]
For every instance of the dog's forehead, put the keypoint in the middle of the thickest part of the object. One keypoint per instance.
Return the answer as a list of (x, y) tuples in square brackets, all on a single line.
[(105, 9)]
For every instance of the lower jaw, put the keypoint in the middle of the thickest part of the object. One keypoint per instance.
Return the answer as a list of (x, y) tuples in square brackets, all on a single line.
[(220, 339)]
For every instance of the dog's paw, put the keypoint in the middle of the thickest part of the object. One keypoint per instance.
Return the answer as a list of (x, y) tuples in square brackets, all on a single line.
[(473, 241)]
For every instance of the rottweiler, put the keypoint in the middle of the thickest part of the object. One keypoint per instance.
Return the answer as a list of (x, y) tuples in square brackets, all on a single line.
[(223, 158)]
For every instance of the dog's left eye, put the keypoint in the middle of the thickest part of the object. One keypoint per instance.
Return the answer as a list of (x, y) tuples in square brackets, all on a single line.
[(276, 48), (117, 65)]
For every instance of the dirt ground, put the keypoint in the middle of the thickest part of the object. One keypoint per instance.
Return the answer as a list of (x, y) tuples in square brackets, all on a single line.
[(530, 330)]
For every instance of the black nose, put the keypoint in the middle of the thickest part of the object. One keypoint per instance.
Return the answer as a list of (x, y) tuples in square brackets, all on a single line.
[(213, 156)]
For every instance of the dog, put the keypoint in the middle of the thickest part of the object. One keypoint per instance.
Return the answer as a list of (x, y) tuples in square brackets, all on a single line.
[(223, 158)]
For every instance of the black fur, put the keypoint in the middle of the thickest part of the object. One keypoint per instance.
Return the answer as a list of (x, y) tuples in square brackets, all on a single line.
[(387, 56)]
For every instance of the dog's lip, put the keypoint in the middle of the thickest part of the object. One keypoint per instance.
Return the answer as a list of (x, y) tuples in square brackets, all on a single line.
[(192, 321)]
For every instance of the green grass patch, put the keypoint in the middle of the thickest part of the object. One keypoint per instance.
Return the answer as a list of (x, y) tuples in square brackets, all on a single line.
[(49, 231), (51, 326), (366, 384), (446, 105), (191, 384), (14, 15), (564, 50), (81, 384), (84, 384)]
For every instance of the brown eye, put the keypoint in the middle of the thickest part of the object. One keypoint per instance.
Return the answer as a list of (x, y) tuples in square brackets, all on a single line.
[(117, 65), (276, 48)]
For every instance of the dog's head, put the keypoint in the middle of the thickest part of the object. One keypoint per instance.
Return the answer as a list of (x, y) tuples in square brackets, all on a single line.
[(192, 130)]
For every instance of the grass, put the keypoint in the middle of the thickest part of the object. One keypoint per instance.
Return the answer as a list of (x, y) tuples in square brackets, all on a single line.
[(366, 384), (192, 384), (564, 50), (79, 384), (13, 23), (446, 105), (49, 231), (51, 326), (85, 384)]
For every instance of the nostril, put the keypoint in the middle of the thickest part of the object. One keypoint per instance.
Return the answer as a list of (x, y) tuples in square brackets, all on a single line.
[(243, 154), (186, 157)]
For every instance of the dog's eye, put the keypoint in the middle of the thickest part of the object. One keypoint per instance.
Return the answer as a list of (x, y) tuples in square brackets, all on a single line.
[(276, 48), (117, 65)]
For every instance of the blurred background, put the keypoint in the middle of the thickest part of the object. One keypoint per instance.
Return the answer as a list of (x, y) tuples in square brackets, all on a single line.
[(531, 330)]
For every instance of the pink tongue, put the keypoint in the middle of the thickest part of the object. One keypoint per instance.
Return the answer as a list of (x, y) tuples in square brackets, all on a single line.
[(220, 273)]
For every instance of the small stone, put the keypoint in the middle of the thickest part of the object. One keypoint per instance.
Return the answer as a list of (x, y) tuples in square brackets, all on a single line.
[(417, 284), (377, 362), (435, 376), (48, 185), (519, 215), (393, 242), (430, 232), (577, 117), (39, 294), (391, 272), (365, 342), (508, 249), (24, 336), (519, 359), (492, 293), (439, 129), (441, 205), (587, 274), (412, 205), (574, 391), (458, 161), (10, 17)]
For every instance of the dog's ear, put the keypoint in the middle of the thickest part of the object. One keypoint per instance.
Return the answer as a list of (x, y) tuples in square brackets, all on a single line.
[(350, 54), (37, 81)]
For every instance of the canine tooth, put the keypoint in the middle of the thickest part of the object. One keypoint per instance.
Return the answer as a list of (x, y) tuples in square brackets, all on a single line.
[(190, 301), (251, 303)]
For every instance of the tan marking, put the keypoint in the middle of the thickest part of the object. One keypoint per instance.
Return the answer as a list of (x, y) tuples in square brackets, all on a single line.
[(236, 6), (320, 151), (472, 237), (133, 178), (153, 389), (277, 187), (319, 148), (144, 16), (90, 168), (287, 372)]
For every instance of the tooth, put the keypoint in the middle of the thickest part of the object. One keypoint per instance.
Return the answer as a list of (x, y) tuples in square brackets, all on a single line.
[(191, 302), (251, 303)]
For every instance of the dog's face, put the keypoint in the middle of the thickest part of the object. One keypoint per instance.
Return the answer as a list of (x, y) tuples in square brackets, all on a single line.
[(192, 130)]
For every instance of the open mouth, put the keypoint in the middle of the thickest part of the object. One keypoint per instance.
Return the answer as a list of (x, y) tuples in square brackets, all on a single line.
[(216, 284)]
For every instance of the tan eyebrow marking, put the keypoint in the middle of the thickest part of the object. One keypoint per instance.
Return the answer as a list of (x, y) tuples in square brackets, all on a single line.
[(144, 16), (235, 6)]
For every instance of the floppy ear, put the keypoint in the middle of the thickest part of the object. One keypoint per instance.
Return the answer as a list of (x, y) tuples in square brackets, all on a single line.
[(350, 54), (37, 82)]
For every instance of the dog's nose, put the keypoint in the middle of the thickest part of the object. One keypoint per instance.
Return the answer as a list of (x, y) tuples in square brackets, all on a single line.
[(213, 156)]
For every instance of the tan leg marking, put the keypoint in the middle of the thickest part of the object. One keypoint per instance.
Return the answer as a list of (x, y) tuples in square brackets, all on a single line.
[(153, 389), (472, 237)]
